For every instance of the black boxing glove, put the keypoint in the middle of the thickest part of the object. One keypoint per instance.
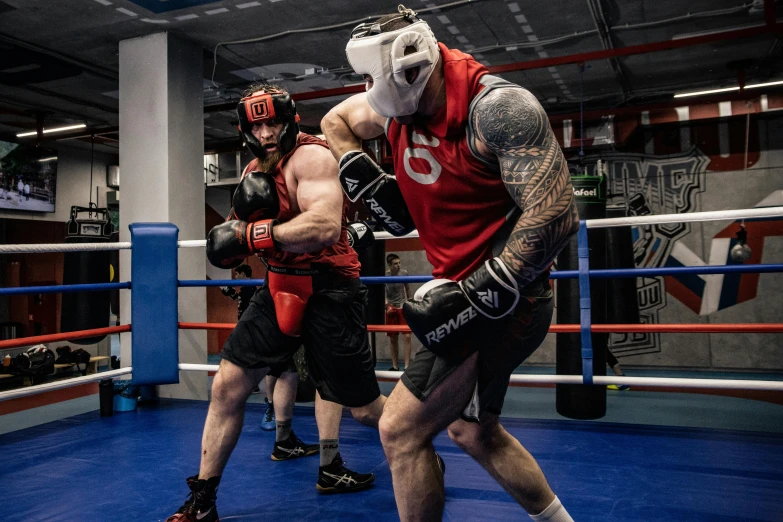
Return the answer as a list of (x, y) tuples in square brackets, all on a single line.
[(361, 177), (359, 235), (229, 291), (255, 197), (446, 316), (229, 243)]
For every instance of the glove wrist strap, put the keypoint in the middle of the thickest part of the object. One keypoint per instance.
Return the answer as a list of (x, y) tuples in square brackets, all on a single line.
[(491, 289), (259, 235), (358, 174)]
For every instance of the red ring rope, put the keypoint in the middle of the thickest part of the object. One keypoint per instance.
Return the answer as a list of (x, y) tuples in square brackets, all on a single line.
[(574, 328), (65, 336)]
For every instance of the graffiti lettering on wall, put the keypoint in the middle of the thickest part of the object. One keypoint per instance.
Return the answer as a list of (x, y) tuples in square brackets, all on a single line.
[(654, 185), (670, 185)]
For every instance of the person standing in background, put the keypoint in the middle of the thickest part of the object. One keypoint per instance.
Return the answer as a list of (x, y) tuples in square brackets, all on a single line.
[(245, 293), (396, 295)]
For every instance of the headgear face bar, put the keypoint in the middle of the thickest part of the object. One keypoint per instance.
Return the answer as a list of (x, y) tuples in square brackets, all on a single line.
[(261, 107)]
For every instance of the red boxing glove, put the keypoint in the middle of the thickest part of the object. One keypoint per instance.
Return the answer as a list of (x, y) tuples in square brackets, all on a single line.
[(290, 294), (259, 235), (229, 243)]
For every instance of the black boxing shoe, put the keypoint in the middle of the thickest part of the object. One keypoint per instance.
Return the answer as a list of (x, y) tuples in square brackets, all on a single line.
[(336, 478), (293, 448), (200, 504)]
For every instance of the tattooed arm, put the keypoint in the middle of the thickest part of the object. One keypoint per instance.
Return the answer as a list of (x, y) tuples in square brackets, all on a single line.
[(448, 317), (512, 125)]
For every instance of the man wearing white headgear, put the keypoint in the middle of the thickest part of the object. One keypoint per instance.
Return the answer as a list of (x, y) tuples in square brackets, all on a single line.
[(479, 173)]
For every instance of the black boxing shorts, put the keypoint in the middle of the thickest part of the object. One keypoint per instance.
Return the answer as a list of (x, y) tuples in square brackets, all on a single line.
[(504, 348), (334, 335)]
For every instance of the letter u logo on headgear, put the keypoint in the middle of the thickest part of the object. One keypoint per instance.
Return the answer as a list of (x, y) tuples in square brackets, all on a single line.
[(259, 110)]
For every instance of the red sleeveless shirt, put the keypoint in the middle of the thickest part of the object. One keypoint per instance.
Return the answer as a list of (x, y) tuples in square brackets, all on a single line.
[(457, 201), (341, 258)]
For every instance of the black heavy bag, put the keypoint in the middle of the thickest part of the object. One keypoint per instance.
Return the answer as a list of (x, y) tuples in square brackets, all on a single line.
[(373, 260), (86, 310), (578, 401), (624, 305)]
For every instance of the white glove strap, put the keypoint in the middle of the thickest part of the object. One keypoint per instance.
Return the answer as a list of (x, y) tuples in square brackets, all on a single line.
[(353, 182)]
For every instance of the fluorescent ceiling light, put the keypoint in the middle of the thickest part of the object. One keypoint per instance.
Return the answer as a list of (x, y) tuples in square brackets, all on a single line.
[(699, 93), (50, 158), (768, 84), (728, 89), (49, 131)]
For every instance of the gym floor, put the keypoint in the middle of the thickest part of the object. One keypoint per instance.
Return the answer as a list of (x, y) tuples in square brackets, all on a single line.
[(656, 456)]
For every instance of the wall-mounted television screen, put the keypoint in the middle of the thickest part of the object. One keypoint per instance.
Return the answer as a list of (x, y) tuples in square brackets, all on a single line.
[(28, 177)]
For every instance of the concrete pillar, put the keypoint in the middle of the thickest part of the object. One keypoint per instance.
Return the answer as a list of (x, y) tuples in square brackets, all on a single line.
[(161, 160)]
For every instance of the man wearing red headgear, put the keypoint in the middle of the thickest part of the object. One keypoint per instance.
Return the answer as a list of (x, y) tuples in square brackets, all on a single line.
[(290, 210)]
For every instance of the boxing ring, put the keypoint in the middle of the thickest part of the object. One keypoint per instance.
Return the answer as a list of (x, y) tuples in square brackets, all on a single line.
[(664, 464)]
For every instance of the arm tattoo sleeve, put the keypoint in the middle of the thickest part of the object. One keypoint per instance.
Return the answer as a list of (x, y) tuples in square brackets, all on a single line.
[(514, 126)]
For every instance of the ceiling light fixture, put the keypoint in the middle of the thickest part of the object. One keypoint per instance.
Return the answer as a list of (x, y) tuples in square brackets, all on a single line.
[(50, 158), (49, 131), (728, 89), (700, 93), (767, 84)]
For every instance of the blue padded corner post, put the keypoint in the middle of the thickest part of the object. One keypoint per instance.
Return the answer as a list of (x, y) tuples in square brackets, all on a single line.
[(155, 334), (584, 304)]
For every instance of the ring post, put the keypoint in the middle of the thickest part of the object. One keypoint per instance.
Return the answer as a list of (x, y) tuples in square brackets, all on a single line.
[(154, 268), (585, 305)]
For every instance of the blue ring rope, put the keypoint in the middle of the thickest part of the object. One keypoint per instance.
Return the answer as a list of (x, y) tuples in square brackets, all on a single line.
[(53, 289), (606, 273), (585, 306), (563, 274)]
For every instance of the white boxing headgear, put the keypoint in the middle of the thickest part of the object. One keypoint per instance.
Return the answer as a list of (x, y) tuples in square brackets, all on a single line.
[(382, 56)]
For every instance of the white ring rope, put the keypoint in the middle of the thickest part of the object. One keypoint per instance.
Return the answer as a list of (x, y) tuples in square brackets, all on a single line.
[(718, 215), (65, 383), (62, 247), (84, 247), (724, 384)]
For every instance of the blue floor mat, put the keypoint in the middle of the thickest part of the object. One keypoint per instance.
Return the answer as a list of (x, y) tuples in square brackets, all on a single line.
[(132, 467)]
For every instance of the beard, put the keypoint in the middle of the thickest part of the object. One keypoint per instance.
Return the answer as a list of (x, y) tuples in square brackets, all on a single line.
[(267, 164)]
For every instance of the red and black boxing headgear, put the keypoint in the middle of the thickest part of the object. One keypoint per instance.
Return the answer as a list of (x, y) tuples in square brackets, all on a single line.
[(263, 106)]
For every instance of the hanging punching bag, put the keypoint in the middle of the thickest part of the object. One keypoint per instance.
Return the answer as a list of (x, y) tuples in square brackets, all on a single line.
[(579, 401), (373, 260), (86, 310), (619, 254)]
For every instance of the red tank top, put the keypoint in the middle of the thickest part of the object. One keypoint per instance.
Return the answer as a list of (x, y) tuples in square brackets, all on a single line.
[(457, 201), (340, 257)]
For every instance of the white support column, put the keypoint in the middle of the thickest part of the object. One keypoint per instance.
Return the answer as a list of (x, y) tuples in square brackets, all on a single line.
[(161, 159)]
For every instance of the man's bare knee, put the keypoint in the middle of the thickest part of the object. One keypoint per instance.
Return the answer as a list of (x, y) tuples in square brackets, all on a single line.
[(400, 435), (365, 415), (228, 390), (471, 437)]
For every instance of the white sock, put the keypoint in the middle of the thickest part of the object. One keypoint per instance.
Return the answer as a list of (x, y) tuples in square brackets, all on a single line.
[(554, 513)]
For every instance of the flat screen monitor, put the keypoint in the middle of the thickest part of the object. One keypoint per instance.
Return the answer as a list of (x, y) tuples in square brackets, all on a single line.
[(28, 177)]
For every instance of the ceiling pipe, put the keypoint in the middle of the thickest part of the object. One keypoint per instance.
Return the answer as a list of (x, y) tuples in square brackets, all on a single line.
[(737, 34), (604, 34), (597, 114), (667, 45)]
